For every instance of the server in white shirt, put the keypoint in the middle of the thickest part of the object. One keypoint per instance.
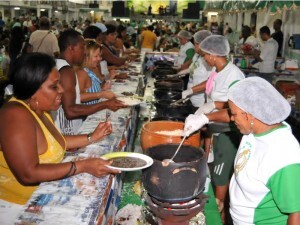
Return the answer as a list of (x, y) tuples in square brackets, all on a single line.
[(186, 51), (247, 38), (267, 55), (199, 70)]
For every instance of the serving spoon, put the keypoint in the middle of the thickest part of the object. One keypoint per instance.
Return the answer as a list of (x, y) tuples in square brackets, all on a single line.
[(166, 162), (182, 100)]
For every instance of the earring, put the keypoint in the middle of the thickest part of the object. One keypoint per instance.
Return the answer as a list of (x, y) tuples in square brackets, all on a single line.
[(37, 104), (251, 126)]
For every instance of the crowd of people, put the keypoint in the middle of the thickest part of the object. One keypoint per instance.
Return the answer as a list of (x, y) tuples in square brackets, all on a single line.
[(59, 78)]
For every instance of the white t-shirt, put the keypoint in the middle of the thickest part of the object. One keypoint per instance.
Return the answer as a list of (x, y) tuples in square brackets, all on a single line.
[(198, 74), (67, 127), (44, 41), (265, 185), (27, 23), (251, 40), (268, 54), (182, 53), (223, 80)]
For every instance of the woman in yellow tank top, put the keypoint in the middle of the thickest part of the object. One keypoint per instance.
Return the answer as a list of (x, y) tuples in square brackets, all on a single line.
[(31, 147)]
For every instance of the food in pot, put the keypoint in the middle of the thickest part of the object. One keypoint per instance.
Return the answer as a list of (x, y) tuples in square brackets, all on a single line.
[(128, 162), (177, 132)]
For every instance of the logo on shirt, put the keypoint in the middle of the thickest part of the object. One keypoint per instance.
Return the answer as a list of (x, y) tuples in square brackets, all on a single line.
[(242, 157)]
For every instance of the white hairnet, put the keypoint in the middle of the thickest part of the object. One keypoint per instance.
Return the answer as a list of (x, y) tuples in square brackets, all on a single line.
[(201, 35), (215, 45), (258, 97), (185, 34)]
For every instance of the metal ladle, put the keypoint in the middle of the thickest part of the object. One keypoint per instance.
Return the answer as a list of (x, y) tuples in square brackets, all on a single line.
[(166, 162)]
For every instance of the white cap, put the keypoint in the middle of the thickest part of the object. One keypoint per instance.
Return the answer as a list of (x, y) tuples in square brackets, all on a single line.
[(101, 26)]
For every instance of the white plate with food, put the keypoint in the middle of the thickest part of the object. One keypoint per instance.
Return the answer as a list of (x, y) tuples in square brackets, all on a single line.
[(128, 161), (130, 100)]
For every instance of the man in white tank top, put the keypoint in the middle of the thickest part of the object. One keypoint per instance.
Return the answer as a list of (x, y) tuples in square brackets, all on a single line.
[(69, 116)]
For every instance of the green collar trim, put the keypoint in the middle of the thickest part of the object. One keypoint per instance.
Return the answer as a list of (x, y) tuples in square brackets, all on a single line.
[(234, 82), (269, 131)]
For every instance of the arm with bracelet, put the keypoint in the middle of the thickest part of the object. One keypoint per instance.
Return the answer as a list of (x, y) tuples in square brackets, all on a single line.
[(101, 131)]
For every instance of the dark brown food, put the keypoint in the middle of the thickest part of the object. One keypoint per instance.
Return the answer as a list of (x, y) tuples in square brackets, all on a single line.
[(127, 93), (128, 162)]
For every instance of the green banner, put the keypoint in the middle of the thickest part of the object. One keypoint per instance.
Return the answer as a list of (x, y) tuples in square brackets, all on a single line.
[(234, 5)]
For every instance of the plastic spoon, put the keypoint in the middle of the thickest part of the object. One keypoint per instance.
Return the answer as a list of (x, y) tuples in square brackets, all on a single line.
[(166, 162)]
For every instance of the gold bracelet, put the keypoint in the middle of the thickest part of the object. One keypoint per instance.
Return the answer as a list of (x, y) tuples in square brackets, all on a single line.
[(73, 167)]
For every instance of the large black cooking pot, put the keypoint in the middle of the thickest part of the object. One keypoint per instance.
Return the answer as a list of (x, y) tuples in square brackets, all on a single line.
[(169, 83), (165, 108), (185, 80), (167, 94), (163, 63), (161, 72), (180, 181)]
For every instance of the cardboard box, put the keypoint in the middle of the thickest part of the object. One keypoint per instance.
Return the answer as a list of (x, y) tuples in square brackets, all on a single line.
[(287, 88)]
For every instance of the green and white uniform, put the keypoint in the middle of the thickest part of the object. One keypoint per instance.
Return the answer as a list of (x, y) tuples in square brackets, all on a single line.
[(225, 144), (186, 52), (198, 73), (229, 74), (265, 186)]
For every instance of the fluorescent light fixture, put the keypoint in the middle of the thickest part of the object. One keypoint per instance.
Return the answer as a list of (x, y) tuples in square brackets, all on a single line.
[(56, 11), (42, 10), (17, 8), (92, 11)]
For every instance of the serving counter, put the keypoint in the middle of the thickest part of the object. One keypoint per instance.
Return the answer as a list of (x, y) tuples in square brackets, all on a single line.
[(83, 198)]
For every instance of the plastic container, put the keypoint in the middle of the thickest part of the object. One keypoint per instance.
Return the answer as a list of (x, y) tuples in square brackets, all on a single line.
[(243, 63)]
